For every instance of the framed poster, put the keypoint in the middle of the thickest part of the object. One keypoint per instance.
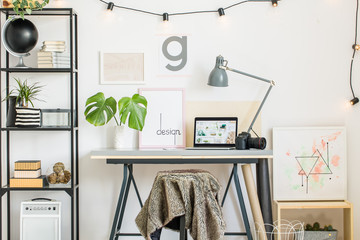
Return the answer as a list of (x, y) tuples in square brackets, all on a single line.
[(121, 68), (310, 163), (165, 120)]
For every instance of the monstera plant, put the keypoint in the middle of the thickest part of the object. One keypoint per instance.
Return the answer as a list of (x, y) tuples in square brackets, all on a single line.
[(100, 110)]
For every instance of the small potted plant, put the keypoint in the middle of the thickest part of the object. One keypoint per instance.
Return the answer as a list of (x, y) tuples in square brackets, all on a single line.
[(100, 110), (25, 93), (316, 232), (20, 97)]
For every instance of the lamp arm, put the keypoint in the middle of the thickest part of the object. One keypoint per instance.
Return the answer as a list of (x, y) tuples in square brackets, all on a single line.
[(260, 107), (250, 75), (272, 83)]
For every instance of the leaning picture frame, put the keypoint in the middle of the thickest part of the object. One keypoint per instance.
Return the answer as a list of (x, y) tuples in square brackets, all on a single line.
[(165, 120), (309, 163), (122, 68)]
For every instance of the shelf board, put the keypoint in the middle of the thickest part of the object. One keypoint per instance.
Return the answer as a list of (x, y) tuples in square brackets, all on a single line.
[(46, 188), (38, 70), (38, 129), (44, 12)]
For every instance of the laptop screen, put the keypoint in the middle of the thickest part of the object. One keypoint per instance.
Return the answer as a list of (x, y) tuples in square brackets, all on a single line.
[(215, 131)]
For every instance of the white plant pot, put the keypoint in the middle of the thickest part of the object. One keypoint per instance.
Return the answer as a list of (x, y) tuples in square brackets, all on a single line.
[(125, 137)]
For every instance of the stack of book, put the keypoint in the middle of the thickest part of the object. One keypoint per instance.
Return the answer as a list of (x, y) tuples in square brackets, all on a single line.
[(53, 46), (28, 174), (53, 55), (27, 117)]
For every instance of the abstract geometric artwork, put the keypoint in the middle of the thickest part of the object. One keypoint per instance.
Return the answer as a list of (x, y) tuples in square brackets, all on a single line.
[(310, 163)]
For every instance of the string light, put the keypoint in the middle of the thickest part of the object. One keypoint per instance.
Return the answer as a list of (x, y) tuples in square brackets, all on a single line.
[(274, 3), (354, 101), (165, 16), (355, 47), (221, 12), (110, 6)]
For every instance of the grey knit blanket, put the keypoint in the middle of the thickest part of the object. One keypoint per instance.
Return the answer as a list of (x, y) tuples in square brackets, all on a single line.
[(193, 193)]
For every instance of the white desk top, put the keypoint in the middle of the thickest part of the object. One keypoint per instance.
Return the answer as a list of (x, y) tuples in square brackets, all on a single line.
[(179, 154)]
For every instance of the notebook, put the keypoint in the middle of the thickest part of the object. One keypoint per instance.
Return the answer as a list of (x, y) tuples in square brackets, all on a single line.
[(214, 133)]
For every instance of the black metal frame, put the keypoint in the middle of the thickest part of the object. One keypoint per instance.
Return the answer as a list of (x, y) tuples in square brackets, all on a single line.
[(262, 180), (73, 190)]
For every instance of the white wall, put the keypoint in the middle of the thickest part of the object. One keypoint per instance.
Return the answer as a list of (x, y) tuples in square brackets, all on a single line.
[(305, 46)]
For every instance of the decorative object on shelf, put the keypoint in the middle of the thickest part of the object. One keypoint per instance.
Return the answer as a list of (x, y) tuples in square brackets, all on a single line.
[(166, 118), (27, 173), (100, 111), (165, 15), (58, 174), (219, 78), (281, 230), (55, 117), (28, 117), (310, 163), (11, 114), (315, 232), (25, 92), (19, 37), (22, 7), (121, 68), (355, 47)]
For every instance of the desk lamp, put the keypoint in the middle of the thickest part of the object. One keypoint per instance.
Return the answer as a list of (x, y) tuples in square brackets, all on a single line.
[(218, 78)]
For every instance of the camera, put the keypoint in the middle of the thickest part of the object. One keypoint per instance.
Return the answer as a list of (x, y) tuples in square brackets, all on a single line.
[(245, 141)]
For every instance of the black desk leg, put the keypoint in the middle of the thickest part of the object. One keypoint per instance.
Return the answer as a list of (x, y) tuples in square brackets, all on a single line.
[(242, 203), (263, 188), (120, 203)]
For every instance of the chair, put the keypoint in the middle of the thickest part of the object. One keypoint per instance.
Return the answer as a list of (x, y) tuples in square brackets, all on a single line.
[(181, 200)]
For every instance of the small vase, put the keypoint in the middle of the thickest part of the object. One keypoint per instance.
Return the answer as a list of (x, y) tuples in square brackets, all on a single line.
[(125, 138), (11, 113)]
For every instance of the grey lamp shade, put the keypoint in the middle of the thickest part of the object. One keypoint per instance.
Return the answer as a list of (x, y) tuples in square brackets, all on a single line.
[(218, 76)]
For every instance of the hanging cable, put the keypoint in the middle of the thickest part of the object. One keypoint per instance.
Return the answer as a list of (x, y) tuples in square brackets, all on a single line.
[(355, 47), (165, 16)]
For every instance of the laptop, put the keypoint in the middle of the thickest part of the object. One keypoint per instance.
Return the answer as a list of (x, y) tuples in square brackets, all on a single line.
[(214, 133)]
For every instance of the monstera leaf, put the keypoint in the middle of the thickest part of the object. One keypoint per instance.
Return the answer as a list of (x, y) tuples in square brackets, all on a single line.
[(100, 110), (135, 108)]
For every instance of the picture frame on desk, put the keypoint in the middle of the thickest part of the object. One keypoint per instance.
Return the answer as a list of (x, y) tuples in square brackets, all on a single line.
[(165, 120), (122, 68), (310, 163)]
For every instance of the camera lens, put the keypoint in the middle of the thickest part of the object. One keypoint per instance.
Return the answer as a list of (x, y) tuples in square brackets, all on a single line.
[(258, 143)]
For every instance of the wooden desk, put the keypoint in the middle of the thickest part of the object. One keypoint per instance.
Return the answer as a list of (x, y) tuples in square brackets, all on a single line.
[(182, 156)]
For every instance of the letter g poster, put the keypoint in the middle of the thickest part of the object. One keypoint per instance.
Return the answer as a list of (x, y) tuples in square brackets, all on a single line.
[(165, 120)]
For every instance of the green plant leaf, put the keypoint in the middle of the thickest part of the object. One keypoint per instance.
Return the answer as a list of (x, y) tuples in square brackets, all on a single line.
[(100, 110), (134, 109)]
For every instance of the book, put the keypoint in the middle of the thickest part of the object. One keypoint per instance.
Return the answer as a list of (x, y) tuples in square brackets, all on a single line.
[(51, 65), (29, 182), (54, 61), (53, 49), (27, 165), (54, 58), (27, 110), (27, 173), (54, 42), (52, 54)]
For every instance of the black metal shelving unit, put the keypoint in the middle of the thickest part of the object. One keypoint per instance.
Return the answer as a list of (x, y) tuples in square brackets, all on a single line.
[(73, 189)]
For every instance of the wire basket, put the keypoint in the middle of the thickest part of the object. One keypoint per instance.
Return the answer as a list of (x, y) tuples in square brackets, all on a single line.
[(282, 230)]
